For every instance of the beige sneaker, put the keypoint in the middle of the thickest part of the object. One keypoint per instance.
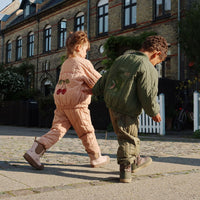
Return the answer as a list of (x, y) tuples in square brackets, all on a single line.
[(100, 161), (140, 163), (32, 156)]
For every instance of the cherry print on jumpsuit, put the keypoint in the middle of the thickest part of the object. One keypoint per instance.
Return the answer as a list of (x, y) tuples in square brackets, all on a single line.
[(63, 89)]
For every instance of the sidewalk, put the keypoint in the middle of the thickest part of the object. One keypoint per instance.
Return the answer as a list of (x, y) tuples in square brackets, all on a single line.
[(174, 173)]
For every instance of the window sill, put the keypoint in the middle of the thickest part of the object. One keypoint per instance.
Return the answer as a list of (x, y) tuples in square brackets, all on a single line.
[(102, 34), (162, 17), (46, 52), (129, 26)]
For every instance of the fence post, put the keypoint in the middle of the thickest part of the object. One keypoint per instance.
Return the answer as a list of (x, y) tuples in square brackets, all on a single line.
[(196, 110), (162, 113)]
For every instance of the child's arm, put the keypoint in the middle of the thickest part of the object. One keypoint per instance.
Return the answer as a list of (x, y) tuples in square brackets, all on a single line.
[(99, 87), (147, 89), (88, 91), (157, 118), (91, 75)]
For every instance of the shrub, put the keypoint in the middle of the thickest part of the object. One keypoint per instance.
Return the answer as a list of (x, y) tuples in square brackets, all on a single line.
[(197, 134), (10, 84)]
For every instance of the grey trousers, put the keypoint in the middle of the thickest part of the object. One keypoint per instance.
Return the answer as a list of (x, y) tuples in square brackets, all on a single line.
[(126, 129)]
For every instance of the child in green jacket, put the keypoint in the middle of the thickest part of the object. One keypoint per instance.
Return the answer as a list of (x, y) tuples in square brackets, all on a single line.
[(130, 85)]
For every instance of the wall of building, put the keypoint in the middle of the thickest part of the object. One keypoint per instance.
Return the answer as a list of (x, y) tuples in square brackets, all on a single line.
[(166, 27)]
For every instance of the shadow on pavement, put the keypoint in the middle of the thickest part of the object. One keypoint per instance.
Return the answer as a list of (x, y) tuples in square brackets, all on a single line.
[(78, 154), (177, 160), (81, 172), (68, 170)]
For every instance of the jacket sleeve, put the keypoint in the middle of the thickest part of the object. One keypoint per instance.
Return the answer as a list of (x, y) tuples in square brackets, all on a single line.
[(91, 76), (147, 89), (99, 87)]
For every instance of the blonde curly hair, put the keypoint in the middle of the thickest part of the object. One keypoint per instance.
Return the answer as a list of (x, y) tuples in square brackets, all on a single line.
[(74, 39)]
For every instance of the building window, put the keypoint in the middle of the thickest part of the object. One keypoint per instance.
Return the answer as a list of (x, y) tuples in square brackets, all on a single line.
[(27, 10), (79, 22), (29, 80), (163, 68), (101, 49), (62, 33), (130, 11), (47, 39), (47, 87), (8, 51), (30, 44), (19, 48), (102, 17), (46, 66), (162, 8)]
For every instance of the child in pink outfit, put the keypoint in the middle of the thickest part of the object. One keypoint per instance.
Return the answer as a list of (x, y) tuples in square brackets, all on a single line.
[(77, 74)]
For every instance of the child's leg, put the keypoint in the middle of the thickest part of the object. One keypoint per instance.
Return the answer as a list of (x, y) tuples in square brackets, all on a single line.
[(81, 121), (60, 126), (126, 129)]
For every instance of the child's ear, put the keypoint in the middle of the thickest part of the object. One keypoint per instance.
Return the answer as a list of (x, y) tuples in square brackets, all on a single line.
[(77, 48), (155, 53), (158, 53)]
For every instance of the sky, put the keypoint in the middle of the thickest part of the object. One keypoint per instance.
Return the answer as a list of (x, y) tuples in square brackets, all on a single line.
[(4, 3)]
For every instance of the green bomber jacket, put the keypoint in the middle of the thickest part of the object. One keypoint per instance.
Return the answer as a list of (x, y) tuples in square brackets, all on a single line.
[(130, 85)]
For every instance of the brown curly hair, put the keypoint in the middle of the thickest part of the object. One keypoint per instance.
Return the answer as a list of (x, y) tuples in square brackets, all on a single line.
[(158, 43), (74, 39)]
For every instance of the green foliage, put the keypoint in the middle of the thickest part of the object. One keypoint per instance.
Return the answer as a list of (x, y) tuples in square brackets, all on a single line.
[(24, 69), (189, 36), (27, 71), (17, 82), (1, 68), (185, 89), (117, 45), (63, 58), (10, 84), (197, 134)]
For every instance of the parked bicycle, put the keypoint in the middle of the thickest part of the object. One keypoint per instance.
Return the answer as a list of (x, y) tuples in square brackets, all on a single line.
[(184, 116), (182, 120)]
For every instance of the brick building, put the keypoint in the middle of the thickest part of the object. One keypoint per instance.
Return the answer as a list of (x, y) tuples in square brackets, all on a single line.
[(35, 32)]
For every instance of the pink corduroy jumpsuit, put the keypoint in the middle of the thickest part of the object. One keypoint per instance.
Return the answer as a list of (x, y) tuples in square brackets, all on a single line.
[(72, 103)]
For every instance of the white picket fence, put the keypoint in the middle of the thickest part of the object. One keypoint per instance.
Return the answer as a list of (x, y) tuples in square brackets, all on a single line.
[(196, 110), (147, 125)]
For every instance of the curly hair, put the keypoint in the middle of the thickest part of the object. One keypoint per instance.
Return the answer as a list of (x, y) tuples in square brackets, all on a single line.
[(74, 39), (158, 43)]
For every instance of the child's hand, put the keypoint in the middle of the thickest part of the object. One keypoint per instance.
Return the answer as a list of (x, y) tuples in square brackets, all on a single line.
[(88, 91), (157, 118)]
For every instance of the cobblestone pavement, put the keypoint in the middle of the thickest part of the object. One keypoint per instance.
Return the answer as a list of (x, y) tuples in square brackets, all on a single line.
[(67, 173)]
